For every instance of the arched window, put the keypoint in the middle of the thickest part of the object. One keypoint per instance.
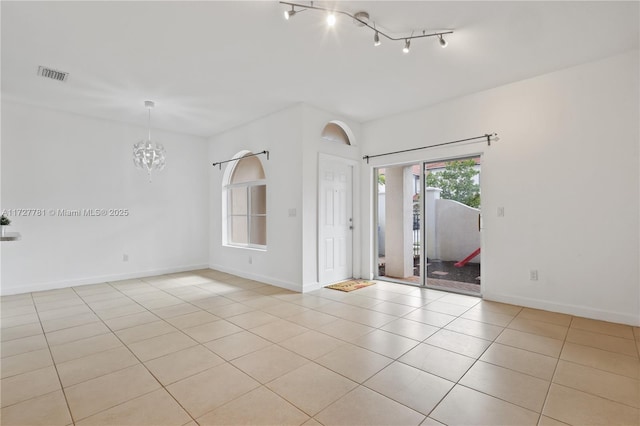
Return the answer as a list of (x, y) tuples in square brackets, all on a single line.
[(336, 131), (246, 193)]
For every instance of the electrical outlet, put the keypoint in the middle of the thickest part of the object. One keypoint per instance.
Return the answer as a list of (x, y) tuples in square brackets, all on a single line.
[(500, 211), (533, 275), (125, 257)]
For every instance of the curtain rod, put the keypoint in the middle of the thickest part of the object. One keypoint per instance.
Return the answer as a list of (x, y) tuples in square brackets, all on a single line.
[(486, 136), (253, 154)]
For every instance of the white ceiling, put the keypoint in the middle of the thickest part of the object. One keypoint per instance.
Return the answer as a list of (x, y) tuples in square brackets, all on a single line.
[(214, 65)]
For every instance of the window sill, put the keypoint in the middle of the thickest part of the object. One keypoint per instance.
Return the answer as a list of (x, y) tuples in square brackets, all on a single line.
[(262, 249)]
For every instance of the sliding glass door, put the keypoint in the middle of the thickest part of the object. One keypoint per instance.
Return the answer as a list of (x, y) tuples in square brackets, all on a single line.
[(428, 224)]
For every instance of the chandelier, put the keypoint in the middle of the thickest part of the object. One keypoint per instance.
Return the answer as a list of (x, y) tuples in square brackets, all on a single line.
[(146, 154)]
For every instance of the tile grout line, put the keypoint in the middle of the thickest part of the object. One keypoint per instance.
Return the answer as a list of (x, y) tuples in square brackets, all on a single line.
[(238, 369), (100, 320), (202, 344), (546, 397), (457, 383), (553, 374), (454, 383), (55, 365), (258, 309), (139, 360), (373, 328), (198, 344), (419, 342), (314, 362), (601, 370), (398, 317)]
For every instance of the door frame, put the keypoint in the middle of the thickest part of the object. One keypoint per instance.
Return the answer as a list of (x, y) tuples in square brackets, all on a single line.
[(423, 184), (355, 213)]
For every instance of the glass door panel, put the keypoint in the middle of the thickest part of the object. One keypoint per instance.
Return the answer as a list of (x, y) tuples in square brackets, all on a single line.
[(452, 225)]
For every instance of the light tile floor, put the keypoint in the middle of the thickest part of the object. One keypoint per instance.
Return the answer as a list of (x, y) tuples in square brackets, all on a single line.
[(205, 347)]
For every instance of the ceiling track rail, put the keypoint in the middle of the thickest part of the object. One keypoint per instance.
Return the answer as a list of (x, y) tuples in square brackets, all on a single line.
[(366, 23)]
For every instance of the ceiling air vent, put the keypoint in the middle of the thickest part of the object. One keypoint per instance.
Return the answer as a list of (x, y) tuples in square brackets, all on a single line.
[(51, 73)]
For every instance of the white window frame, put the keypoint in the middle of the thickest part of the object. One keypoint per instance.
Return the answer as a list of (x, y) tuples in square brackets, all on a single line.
[(248, 215)]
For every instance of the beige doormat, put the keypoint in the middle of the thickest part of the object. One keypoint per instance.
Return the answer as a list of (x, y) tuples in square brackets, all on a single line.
[(350, 285)]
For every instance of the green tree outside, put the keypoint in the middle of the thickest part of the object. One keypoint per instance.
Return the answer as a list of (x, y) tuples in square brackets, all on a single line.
[(456, 182)]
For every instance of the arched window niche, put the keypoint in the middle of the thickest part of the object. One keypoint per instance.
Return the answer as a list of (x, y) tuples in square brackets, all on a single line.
[(338, 132), (245, 203)]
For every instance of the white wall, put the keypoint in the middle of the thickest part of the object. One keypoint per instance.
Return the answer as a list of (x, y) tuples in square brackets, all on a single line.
[(281, 134), (56, 160), (566, 171), (293, 137)]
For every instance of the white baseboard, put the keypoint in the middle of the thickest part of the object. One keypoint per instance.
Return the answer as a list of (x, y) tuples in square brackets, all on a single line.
[(258, 277), (28, 288), (306, 288), (581, 311)]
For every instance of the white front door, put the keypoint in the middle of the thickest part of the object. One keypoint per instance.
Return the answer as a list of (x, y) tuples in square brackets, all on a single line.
[(335, 221)]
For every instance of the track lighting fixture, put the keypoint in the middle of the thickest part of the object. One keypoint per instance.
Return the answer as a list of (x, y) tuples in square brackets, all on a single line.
[(289, 13), (361, 19), (407, 46), (442, 41)]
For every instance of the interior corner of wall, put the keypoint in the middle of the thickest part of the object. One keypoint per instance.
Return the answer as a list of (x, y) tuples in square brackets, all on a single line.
[(308, 287)]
